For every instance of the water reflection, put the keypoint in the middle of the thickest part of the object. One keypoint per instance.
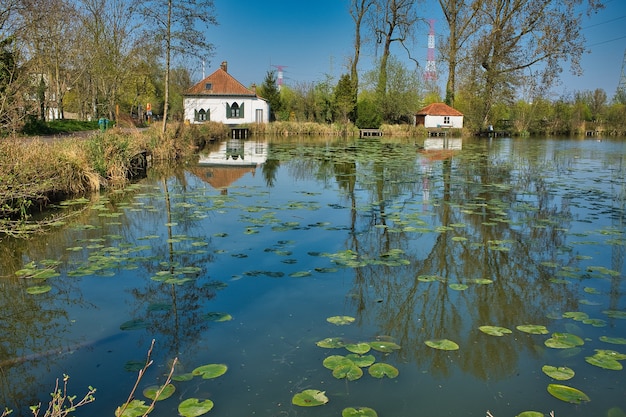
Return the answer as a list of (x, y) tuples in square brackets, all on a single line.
[(417, 241)]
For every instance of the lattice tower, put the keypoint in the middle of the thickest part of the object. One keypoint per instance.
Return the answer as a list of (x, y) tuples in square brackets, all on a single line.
[(621, 87), (431, 67)]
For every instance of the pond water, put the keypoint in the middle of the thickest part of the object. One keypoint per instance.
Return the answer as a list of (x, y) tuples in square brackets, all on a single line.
[(271, 255)]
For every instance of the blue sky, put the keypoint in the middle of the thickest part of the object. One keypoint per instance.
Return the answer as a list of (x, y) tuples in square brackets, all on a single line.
[(313, 38)]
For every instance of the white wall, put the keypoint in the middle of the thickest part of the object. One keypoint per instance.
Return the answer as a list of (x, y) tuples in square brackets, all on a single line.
[(438, 121), (217, 109)]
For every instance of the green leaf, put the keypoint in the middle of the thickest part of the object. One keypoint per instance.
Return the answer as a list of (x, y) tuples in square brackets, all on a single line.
[(442, 344), (358, 412), (562, 373), (38, 289), (564, 341), (359, 348), (218, 317), (530, 414), (310, 398), (604, 362), (532, 329), (340, 320), (379, 370), (193, 407), (210, 371), (335, 361), (151, 392), (494, 330), (135, 324), (135, 408), (384, 346), (567, 394), (614, 340), (458, 287), (331, 343), (349, 370), (183, 377), (361, 361)]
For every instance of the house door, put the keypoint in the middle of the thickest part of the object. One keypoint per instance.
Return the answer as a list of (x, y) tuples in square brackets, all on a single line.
[(259, 115)]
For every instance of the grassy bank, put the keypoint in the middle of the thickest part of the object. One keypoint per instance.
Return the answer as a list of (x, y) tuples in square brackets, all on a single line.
[(37, 172)]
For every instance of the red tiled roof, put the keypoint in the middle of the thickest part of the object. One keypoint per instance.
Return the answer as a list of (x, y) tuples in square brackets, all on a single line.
[(439, 109), (222, 83)]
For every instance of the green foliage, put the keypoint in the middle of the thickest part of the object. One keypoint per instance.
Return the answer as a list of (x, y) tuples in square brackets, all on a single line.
[(269, 91), (368, 115), (345, 98)]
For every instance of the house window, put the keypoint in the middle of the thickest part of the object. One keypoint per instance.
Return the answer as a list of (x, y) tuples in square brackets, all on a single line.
[(208, 86), (201, 115), (234, 111), (446, 120)]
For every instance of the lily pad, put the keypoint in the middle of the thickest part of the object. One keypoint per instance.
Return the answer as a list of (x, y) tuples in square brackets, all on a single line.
[(152, 391), (135, 408), (310, 398), (331, 343), (218, 317), (562, 373), (613, 340), (604, 362), (210, 371), (361, 361), (335, 361), (384, 346), (38, 289), (340, 320), (379, 370), (532, 329), (568, 394), (564, 341), (359, 348), (358, 412), (349, 371), (194, 407), (495, 330), (530, 414), (442, 344), (458, 287), (135, 324)]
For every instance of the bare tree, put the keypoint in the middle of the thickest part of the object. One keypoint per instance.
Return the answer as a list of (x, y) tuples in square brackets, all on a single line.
[(394, 21), (518, 35), (358, 11), (461, 17), (176, 25)]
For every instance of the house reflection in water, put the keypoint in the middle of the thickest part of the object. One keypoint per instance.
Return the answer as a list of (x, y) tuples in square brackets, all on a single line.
[(436, 149), (225, 163)]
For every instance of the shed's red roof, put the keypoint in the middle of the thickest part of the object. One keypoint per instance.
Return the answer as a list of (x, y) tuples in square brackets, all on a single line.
[(438, 109), (222, 84)]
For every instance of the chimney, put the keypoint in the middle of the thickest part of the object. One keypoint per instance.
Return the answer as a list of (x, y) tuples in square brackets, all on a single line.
[(224, 66), (253, 88)]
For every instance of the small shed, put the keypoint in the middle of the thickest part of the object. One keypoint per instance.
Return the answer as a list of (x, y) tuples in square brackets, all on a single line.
[(439, 115), (221, 98)]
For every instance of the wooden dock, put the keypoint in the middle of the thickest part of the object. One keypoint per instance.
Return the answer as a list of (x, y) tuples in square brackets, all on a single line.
[(239, 132), (366, 133)]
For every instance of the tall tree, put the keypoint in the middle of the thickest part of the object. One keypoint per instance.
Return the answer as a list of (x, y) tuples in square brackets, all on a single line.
[(358, 11), (519, 35), (50, 36), (270, 92), (394, 21), (179, 26), (461, 18)]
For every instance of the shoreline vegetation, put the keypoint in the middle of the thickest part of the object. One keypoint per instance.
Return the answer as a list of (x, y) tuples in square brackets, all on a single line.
[(36, 172)]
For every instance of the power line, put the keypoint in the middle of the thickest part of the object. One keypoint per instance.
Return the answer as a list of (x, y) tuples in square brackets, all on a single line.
[(604, 23), (610, 40)]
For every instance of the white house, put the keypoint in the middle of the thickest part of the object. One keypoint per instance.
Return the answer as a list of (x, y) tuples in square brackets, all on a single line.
[(439, 115), (221, 98)]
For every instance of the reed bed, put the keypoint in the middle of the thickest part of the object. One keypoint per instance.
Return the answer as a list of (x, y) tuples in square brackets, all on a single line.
[(35, 172)]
